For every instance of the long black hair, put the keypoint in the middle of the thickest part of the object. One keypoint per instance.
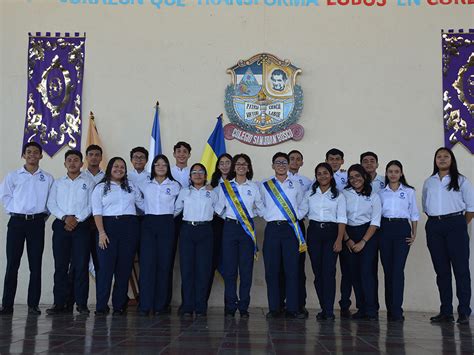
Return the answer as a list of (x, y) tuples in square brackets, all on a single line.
[(367, 188), (168, 170), (245, 157), (191, 170), (402, 179), (217, 174), (454, 173), (108, 176), (332, 184)]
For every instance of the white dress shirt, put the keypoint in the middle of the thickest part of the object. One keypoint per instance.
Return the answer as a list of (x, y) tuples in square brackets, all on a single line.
[(138, 178), (26, 193), (322, 207), (378, 183), (400, 203), (181, 175), (159, 198), (341, 179), (362, 209), (250, 194), (71, 197), (437, 200), (197, 205), (97, 177), (293, 192), (116, 201), (305, 183)]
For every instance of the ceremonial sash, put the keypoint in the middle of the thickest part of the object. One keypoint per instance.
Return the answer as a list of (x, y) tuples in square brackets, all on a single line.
[(286, 208), (240, 211)]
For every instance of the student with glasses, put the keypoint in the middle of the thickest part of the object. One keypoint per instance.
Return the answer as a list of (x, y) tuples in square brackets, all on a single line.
[(197, 203)]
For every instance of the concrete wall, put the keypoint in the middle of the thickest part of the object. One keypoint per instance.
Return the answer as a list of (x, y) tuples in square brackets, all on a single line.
[(371, 79)]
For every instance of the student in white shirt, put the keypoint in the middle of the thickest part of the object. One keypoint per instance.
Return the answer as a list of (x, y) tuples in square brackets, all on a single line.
[(138, 158), (397, 233), (363, 219), (70, 202), (239, 241), (195, 246), (93, 159), (157, 237), (335, 158), (115, 214), (448, 201), (24, 196), (220, 174), (326, 210)]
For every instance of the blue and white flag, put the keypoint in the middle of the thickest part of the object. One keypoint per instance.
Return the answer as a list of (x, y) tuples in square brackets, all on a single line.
[(155, 139)]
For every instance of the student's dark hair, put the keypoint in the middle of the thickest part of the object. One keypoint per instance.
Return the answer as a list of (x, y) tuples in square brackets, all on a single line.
[(73, 152), (232, 173), (369, 154), (334, 151), (139, 150), (402, 180), (108, 176), (192, 168), (217, 174), (168, 169), (280, 155), (294, 151), (94, 147), (182, 144), (333, 187), (454, 173), (367, 188), (31, 144)]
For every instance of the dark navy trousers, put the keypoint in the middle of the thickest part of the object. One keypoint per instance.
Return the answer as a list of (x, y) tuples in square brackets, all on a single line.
[(281, 247), (238, 251), (21, 230), (362, 270), (71, 252), (346, 282), (302, 277), (393, 254), (448, 243), (321, 238), (178, 221), (156, 261), (217, 230), (115, 262), (195, 254)]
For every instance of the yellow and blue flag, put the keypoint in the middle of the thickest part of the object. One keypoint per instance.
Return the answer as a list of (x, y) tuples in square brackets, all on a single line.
[(215, 146)]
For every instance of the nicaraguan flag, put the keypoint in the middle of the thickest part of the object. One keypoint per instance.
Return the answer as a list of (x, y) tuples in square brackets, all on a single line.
[(215, 146), (155, 139)]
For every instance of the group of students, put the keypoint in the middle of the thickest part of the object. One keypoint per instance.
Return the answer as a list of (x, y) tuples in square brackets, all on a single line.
[(354, 215)]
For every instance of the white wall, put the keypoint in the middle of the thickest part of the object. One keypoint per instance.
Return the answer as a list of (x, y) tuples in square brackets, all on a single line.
[(371, 79)]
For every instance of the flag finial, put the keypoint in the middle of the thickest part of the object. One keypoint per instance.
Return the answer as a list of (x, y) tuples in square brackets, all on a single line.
[(157, 103), (91, 115)]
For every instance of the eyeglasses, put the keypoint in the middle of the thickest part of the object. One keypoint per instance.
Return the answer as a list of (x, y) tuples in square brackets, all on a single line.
[(138, 157), (281, 162), (197, 172), (241, 164)]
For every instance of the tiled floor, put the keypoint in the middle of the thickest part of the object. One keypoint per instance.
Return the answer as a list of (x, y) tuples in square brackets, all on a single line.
[(131, 334)]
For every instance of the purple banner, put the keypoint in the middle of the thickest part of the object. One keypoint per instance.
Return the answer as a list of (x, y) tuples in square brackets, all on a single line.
[(458, 88), (55, 75)]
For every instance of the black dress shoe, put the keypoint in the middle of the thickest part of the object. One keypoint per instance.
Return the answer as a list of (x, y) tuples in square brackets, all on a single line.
[(359, 315), (143, 313), (320, 316), (163, 312), (186, 314), (119, 312), (229, 314), (273, 315), (398, 319), (372, 318), (101, 312), (56, 309), (4, 311), (83, 310), (294, 315), (34, 311), (244, 314), (330, 317), (463, 319), (304, 311), (442, 318), (346, 313), (201, 315)]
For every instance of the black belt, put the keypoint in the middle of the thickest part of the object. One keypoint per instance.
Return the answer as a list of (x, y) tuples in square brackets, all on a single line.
[(449, 215), (324, 225), (28, 217), (388, 219), (197, 223), (279, 222), (123, 216), (232, 220)]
